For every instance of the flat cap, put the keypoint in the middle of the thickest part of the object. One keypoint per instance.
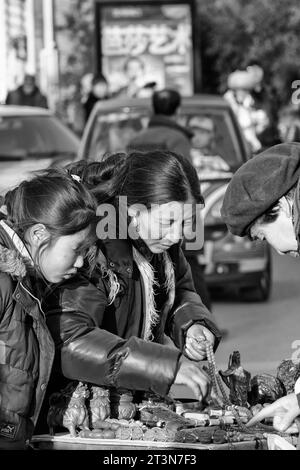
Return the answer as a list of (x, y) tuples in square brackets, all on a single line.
[(258, 184)]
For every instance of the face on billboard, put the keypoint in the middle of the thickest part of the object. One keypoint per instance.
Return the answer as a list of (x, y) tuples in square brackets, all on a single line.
[(149, 44)]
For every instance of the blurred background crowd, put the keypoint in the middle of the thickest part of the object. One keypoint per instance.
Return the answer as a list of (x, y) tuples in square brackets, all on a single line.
[(248, 51)]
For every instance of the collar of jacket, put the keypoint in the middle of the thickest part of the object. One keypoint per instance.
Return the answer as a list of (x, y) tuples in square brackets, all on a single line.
[(165, 121), (14, 257), (119, 254), (15, 261)]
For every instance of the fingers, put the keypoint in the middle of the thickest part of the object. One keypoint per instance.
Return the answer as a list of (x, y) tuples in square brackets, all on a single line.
[(194, 355), (287, 420), (266, 412), (209, 336), (195, 349)]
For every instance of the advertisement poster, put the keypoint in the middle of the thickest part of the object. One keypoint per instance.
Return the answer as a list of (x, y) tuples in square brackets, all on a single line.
[(147, 47)]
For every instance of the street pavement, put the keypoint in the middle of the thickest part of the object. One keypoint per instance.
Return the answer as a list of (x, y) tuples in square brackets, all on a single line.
[(265, 333)]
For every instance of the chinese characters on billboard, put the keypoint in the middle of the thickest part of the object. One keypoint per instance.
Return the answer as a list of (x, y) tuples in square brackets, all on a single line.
[(147, 47)]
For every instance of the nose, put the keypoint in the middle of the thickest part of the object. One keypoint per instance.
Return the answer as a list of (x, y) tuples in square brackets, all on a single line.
[(174, 234), (79, 262)]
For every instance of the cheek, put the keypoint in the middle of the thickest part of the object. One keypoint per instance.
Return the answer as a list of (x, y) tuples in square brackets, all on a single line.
[(277, 236), (57, 260), (145, 227)]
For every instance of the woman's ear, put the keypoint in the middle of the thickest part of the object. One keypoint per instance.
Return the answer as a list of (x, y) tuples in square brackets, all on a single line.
[(132, 211), (37, 234)]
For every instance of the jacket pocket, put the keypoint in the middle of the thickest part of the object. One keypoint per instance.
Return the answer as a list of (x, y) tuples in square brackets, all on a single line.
[(16, 389)]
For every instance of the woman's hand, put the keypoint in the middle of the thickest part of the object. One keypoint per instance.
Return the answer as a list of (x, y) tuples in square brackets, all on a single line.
[(196, 336), (284, 411), (192, 376)]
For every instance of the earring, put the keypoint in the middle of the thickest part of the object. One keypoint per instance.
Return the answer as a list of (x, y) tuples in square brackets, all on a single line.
[(136, 224)]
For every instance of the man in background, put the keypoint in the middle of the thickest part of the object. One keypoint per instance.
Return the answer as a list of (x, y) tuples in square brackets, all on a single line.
[(99, 92), (204, 134), (163, 131), (28, 94)]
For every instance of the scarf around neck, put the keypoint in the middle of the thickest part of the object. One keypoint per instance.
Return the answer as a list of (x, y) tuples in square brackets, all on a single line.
[(148, 279)]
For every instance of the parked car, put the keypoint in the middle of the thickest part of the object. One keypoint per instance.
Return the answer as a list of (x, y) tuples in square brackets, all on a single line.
[(31, 139), (219, 148)]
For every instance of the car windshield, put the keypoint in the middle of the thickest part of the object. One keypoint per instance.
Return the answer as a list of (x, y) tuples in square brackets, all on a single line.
[(216, 151), (36, 136), (112, 132)]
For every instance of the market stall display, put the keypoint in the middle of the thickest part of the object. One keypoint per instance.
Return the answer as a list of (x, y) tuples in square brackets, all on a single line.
[(116, 418)]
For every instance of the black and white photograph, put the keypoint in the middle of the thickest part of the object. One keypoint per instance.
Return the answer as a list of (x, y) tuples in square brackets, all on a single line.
[(149, 230)]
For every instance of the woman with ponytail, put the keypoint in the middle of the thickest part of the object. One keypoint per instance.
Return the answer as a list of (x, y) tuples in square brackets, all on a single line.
[(47, 224), (139, 324)]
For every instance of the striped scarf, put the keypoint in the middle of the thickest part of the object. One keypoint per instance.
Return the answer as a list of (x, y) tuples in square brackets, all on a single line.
[(148, 279)]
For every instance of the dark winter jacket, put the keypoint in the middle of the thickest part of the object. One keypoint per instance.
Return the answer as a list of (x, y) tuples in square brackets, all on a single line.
[(26, 349), (18, 97), (101, 343), (163, 133), (90, 103)]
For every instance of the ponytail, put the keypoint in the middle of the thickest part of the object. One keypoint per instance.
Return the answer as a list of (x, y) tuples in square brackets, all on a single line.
[(100, 177), (144, 177)]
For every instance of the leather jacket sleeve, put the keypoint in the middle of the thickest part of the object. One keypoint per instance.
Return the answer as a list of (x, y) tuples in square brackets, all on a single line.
[(91, 354), (188, 307)]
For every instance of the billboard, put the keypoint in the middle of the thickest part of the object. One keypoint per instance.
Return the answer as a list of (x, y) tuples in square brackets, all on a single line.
[(146, 46)]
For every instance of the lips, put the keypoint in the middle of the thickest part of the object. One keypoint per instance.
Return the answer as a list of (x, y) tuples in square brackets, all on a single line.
[(68, 275)]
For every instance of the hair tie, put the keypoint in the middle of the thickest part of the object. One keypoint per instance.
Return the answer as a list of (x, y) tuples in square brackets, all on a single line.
[(76, 178)]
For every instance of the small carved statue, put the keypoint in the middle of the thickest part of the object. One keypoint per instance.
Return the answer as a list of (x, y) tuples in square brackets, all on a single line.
[(288, 372), (237, 380), (122, 406), (265, 389), (99, 405), (68, 409)]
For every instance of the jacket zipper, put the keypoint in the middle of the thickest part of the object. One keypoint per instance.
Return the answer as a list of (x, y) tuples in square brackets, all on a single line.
[(35, 298)]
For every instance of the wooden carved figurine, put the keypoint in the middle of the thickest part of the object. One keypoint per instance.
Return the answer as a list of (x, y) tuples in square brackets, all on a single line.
[(68, 409), (99, 405), (265, 389), (288, 372), (122, 406), (237, 380)]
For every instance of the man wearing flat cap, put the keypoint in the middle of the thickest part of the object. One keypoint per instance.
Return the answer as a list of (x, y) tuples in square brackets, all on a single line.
[(262, 201)]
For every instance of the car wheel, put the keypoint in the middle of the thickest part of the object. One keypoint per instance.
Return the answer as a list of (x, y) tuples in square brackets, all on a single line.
[(260, 292)]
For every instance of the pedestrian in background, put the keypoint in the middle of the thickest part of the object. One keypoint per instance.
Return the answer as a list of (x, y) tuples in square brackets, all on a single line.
[(252, 120), (28, 94), (163, 131), (289, 124), (265, 98), (98, 92)]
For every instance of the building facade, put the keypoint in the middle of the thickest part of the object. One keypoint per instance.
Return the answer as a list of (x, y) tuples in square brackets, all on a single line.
[(27, 45)]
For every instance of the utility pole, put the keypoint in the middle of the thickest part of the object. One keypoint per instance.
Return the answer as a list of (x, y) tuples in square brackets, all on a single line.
[(30, 35), (49, 57), (3, 53)]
